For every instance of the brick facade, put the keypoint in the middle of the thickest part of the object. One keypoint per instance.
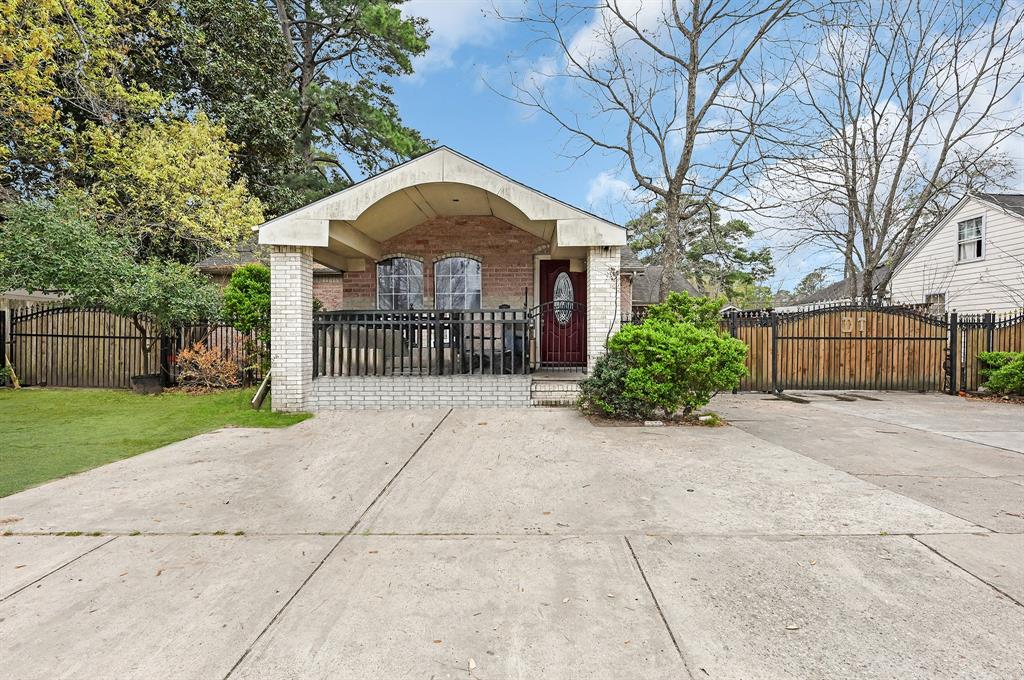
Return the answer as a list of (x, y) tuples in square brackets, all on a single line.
[(329, 289), (505, 252), (603, 284), (389, 392), (291, 330), (625, 297)]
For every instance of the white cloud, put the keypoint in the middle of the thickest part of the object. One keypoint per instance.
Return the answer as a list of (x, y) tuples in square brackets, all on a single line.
[(609, 195), (455, 24)]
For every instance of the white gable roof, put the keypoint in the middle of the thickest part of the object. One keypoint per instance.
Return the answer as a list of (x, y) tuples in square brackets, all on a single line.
[(441, 182)]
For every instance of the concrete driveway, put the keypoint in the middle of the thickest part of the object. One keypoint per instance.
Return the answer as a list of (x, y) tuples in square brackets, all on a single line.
[(872, 536)]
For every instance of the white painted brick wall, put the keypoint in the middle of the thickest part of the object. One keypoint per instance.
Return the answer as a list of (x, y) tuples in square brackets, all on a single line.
[(603, 316), (391, 392), (291, 327)]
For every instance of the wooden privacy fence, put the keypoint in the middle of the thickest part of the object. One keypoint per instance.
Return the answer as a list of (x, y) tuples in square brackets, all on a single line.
[(868, 348), (74, 347)]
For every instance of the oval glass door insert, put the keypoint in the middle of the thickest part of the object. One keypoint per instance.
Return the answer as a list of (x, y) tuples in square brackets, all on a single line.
[(563, 298)]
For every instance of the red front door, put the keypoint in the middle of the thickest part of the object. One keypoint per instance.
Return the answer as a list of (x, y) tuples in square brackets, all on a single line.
[(563, 315)]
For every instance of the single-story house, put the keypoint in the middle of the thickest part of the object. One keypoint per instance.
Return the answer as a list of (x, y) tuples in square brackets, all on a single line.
[(972, 260), (457, 286)]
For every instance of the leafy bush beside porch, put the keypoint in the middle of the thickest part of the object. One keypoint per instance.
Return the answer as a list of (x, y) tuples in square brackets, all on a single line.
[(676, 359)]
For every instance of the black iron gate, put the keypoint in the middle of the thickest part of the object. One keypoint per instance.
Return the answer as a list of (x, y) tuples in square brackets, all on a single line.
[(848, 347)]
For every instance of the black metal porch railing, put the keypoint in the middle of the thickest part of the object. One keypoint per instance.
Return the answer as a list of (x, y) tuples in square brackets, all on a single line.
[(427, 342), (561, 330)]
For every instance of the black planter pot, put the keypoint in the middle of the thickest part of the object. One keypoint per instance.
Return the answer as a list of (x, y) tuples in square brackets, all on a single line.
[(147, 384)]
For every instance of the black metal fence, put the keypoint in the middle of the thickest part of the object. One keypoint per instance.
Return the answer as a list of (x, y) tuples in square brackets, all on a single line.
[(977, 333), (63, 346), (870, 347), (428, 342), (560, 329)]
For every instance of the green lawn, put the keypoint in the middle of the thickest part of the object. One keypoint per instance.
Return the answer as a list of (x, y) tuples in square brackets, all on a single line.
[(50, 433)]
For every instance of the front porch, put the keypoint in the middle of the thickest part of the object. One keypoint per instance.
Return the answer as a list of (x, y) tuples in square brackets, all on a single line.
[(457, 285)]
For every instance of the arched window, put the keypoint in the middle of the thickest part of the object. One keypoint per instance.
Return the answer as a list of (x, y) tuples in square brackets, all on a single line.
[(400, 283), (457, 283)]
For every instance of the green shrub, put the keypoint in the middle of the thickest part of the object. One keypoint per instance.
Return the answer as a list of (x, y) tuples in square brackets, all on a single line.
[(1003, 371), (661, 366), (247, 300), (604, 391), (702, 312)]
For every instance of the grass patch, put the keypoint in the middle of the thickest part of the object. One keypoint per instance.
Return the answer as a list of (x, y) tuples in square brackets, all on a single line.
[(51, 433)]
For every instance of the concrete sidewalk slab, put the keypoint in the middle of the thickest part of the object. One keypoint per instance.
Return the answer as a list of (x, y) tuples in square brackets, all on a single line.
[(554, 472), (991, 503), (1011, 440), (317, 476), (933, 412), (862, 446), (836, 607), (24, 559), (154, 607), (530, 608), (996, 559)]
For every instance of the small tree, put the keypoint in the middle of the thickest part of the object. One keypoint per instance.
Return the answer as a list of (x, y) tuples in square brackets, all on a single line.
[(58, 247), (164, 295)]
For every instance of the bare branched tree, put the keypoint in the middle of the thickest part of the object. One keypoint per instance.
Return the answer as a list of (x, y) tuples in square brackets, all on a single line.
[(907, 105), (682, 92)]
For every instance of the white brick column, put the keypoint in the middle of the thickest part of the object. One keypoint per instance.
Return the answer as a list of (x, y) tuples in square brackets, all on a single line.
[(603, 314), (291, 327)]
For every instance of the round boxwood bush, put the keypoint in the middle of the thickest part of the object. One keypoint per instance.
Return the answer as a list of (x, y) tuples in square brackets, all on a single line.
[(665, 364)]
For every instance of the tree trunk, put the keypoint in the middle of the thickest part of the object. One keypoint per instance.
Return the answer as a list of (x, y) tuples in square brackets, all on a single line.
[(669, 249)]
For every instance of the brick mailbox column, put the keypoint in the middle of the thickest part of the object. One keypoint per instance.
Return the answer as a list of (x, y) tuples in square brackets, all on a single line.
[(291, 327), (603, 313)]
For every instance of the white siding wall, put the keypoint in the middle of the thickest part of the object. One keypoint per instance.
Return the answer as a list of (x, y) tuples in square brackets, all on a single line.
[(995, 283)]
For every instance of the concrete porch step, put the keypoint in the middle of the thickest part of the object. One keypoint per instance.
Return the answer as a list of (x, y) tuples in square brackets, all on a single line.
[(555, 390)]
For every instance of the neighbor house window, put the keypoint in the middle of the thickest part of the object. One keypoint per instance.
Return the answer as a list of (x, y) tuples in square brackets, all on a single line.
[(970, 239), (457, 283), (400, 284)]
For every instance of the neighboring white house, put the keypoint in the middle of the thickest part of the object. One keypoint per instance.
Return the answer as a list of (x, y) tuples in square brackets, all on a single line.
[(972, 261)]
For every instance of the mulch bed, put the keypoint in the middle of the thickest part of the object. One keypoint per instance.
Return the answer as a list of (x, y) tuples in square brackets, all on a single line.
[(986, 396), (692, 420)]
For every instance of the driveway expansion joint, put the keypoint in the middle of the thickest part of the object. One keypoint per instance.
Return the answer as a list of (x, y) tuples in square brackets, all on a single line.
[(54, 571), (657, 606), (334, 547), (972, 574)]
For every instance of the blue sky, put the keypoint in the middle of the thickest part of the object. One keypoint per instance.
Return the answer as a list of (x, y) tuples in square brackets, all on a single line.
[(450, 99)]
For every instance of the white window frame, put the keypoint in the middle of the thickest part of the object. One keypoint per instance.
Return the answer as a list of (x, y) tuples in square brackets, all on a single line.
[(438, 277), (981, 238), (377, 282)]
